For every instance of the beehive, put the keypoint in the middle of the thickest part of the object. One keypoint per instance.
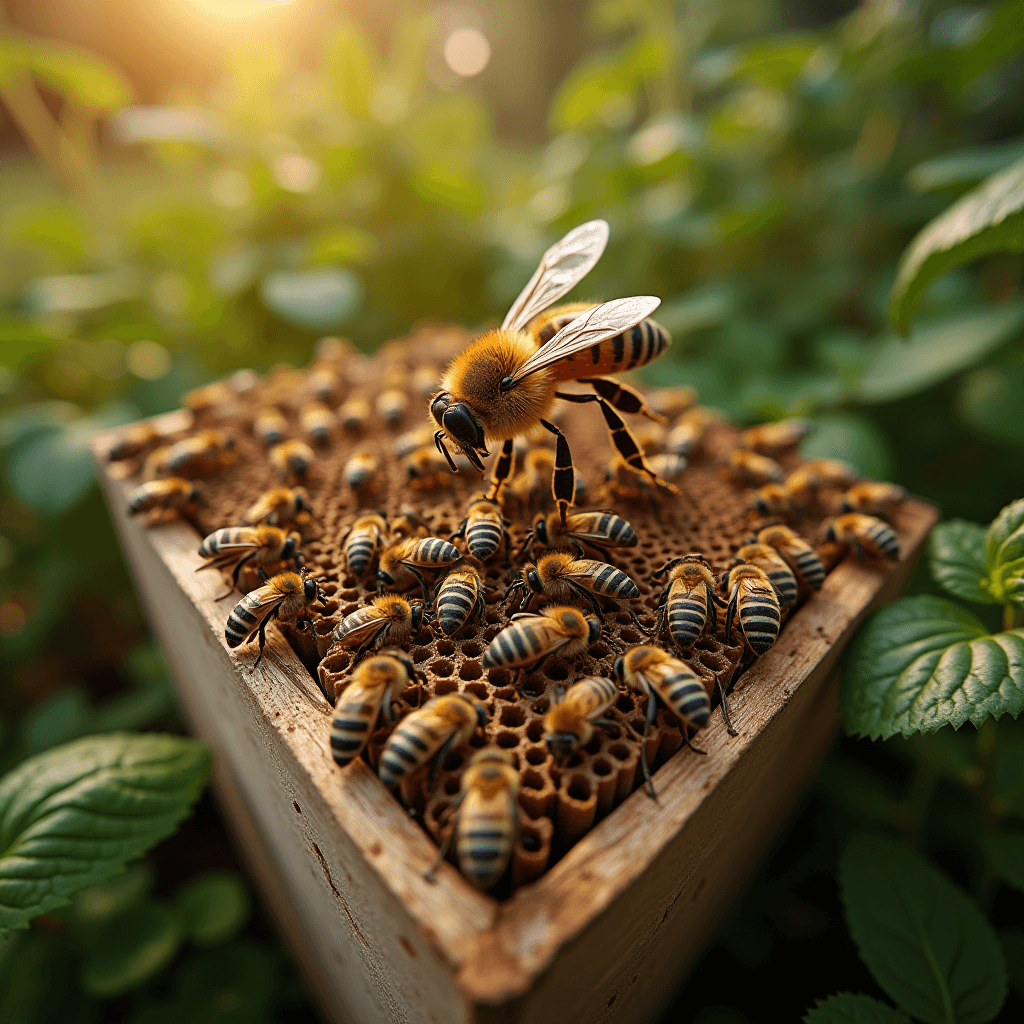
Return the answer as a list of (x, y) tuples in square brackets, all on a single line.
[(560, 801)]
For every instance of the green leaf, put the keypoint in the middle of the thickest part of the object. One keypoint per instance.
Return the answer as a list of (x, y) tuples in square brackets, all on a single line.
[(851, 1008), (988, 219), (1006, 855), (1004, 553), (989, 402), (314, 299), (100, 903), (74, 816), (956, 553), (964, 167), (130, 949), (922, 937), (214, 907), (938, 349), (925, 662)]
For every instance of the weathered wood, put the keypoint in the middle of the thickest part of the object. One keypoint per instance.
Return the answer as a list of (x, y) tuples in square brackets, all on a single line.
[(604, 935)]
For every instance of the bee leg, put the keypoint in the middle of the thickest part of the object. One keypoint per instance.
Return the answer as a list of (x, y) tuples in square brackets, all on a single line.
[(263, 642), (502, 469), (621, 397), (696, 750), (460, 533), (652, 712), (729, 728), (563, 480), (662, 611), (712, 612), (587, 595), (442, 850), (639, 625), (859, 548), (730, 613), (443, 449), (438, 761), (508, 547), (607, 723), (669, 565), (423, 582)]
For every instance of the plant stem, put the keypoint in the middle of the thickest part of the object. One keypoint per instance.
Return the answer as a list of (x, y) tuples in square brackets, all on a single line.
[(1013, 616)]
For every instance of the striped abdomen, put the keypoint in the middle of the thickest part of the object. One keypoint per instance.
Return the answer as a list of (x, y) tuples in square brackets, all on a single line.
[(359, 550), (228, 536), (433, 551), (592, 696), (604, 528), (246, 617), (636, 347), (456, 600), (681, 690), (782, 577), (808, 566), (759, 615), (415, 740), (486, 834), (482, 538), (519, 643), (687, 614), (883, 537), (602, 578), (354, 718)]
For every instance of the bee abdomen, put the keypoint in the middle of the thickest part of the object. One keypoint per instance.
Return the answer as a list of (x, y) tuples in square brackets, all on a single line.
[(405, 751), (616, 529), (884, 537), (350, 730), (483, 849), (359, 552), (760, 619), (438, 551), (685, 694), (240, 624), (514, 645), (809, 566), (687, 617), (212, 544), (454, 604), (614, 582), (483, 539), (639, 345), (785, 584)]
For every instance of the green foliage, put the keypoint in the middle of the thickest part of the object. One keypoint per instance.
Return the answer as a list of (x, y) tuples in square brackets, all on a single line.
[(74, 816), (924, 940), (988, 219), (956, 553), (214, 906), (1004, 554), (848, 1008)]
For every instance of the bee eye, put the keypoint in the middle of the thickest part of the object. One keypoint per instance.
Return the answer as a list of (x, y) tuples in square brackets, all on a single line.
[(617, 669), (533, 578), (461, 424), (541, 530), (438, 407)]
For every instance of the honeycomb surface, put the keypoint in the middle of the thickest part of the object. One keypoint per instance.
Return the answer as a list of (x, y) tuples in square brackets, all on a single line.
[(559, 801)]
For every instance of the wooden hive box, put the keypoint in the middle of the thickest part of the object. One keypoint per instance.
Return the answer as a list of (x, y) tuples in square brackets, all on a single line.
[(605, 934)]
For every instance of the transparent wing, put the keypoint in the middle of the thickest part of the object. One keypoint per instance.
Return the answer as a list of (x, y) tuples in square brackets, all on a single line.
[(589, 328), (565, 264)]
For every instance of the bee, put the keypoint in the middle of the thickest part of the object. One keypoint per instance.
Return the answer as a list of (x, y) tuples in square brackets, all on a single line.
[(386, 619), (748, 469), (562, 577), (270, 426), (865, 534), (362, 540), (775, 500), (668, 465), (405, 444), (804, 483), (292, 459), (426, 469), (802, 558), (317, 422), (234, 546), (507, 381), (278, 505), (688, 431), (354, 414), (772, 438), (602, 529), (392, 405), (460, 596), (486, 822), (160, 496), (409, 523), (570, 723), (687, 601), (204, 453), (441, 725), (873, 499), (672, 402), (288, 597), (376, 682), (211, 399), (483, 529), (528, 639), (324, 383), (362, 473), (775, 567), (402, 562), (755, 603), (134, 441), (659, 676)]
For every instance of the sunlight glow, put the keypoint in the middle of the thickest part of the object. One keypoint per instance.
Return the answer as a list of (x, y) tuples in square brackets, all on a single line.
[(467, 52), (237, 8)]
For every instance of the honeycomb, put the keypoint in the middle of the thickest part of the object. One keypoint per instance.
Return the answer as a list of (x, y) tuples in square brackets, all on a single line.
[(559, 802)]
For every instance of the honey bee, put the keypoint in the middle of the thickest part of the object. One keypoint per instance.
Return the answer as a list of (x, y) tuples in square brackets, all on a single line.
[(865, 534), (483, 529), (210, 400), (354, 414), (134, 441), (687, 602), (362, 473), (486, 822), (460, 595), (775, 500), (775, 567), (204, 453), (409, 523), (232, 547), (430, 732), (772, 438), (401, 563), (873, 499), (161, 496), (570, 723), (755, 603), (278, 505), (672, 402), (376, 682), (392, 405), (317, 422), (287, 597), (659, 676), (748, 469), (324, 383), (421, 437), (386, 619), (270, 426), (292, 460), (528, 639), (688, 431), (362, 540), (426, 469), (506, 382), (802, 558), (804, 483), (601, 529)]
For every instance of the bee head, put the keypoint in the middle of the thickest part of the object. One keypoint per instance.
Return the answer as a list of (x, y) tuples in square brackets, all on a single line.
[(593, 630), (830, 531), (540, 531), (458, 421), (290, 547), (561, 744), (415, 615), (845, 506), (533, 580), (618, 670), (197, 496), (302, 500)]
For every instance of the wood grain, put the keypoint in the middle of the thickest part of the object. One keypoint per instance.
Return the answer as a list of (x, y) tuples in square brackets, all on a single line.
[(604, 935)]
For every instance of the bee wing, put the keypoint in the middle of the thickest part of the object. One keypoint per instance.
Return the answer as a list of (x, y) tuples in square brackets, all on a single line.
[(564, 265), (589, 328), (362, 630)]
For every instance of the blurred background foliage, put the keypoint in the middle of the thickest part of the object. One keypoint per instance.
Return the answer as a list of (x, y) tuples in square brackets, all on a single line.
[(191, 186)]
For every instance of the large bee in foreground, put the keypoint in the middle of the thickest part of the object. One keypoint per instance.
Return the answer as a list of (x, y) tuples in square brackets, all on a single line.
[(506, 382)]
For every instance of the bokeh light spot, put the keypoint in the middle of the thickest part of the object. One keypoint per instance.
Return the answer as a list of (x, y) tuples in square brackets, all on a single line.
[(467, 52), (296, 173), (148, 360)]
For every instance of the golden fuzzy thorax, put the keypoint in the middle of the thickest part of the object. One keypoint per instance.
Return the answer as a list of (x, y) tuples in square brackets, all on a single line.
[(565, 717), (474, 377)]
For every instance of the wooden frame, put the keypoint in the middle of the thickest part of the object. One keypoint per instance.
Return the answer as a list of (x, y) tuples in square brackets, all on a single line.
[(607, 933)]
